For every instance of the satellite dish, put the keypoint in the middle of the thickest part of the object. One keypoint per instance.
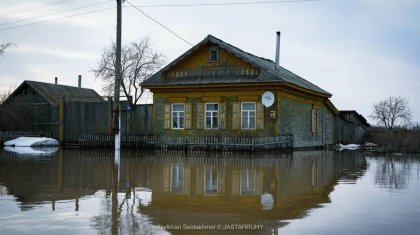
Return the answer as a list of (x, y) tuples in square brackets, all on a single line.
[(267, 99)]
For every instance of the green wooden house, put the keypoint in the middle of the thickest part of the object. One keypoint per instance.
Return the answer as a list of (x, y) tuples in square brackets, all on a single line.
[(215, 89)]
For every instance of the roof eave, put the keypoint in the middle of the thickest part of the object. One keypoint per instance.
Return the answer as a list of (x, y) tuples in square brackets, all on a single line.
[(176, 86)]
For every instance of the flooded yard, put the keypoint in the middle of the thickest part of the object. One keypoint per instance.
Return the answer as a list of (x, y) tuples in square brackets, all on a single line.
[(308, 192)]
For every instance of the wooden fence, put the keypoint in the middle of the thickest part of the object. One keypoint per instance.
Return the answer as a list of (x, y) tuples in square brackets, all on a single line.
[(96, 118), (190, 144)]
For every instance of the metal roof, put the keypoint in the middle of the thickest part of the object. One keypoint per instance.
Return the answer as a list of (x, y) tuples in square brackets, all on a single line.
[(268, 72), (53, 93)]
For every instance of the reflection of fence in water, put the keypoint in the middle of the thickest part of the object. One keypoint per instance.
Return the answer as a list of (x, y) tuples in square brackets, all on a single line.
[(191, 144)]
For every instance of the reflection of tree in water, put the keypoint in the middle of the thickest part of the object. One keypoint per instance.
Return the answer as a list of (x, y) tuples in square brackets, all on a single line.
[(119, 212), (103, 221), (393, 173)]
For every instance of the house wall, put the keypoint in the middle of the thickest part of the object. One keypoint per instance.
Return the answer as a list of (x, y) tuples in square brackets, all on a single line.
[(293, 116), (329, 126), (160, 101), (28, 111), (27, 95), (295, 119)]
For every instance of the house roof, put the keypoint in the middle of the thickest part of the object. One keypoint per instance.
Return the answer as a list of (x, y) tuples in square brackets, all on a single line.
[(268, 73), (359, 116), (53, 93)]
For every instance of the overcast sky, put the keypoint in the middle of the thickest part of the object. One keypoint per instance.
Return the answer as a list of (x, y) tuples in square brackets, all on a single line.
[(361, 51)]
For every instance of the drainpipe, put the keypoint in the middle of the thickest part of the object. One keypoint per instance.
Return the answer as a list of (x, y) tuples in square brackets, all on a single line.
[(278, 51)]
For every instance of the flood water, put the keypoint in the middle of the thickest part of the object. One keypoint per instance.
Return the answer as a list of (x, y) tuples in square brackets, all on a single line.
[(310, 192)]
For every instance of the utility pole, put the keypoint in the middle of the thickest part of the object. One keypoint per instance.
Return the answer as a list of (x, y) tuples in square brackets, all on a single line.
[(117, 118), (117, 124)]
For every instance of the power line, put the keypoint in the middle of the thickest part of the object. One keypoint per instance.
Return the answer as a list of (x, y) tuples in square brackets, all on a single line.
[(44, 21), (55, 13), (36, 7), (159, 23), (226, 3), (137, 7)]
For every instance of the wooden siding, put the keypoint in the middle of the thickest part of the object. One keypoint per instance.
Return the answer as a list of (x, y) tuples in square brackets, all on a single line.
[(96, 118), (32, 117), (200, 59)]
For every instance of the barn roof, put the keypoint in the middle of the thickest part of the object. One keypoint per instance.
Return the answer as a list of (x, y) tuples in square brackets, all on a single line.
[(268, 73), (53, 93), (359, 116)]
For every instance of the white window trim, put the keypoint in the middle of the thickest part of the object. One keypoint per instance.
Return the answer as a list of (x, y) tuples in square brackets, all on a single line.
[(211, 116), (314, 120), (255, 111), (176, 182), (172, 116), (250, 176), (211, 179)]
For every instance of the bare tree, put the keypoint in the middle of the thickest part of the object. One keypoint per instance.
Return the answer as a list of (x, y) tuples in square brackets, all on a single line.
[(392, 112), (4, 95), (4, 46), (138, 62)]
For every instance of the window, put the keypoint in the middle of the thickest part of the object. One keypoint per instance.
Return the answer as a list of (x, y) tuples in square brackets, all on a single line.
[(211, 116), (247, 182), (213, 54), (314, 119), (210, 180), (248, 115), (177, 178), (178, 116)]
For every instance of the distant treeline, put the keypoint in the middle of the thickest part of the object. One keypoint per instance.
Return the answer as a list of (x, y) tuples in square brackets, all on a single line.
[(399, 140)]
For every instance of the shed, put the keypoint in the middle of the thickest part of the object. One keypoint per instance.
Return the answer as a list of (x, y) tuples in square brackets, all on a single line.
[(351, 127), (35, 106)]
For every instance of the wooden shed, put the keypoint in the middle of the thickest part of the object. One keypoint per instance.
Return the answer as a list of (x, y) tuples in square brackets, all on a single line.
[(36, 106), (351, 127)]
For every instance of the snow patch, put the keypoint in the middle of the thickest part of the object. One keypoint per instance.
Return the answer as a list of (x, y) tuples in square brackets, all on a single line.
[(31, 141), (348, 146)]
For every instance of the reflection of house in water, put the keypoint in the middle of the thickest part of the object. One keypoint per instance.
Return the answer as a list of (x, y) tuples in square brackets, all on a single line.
[(204, 190), (212, 189)]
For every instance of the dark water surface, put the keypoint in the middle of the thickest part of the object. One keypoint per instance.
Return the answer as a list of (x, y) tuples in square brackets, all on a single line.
[(311, 192)]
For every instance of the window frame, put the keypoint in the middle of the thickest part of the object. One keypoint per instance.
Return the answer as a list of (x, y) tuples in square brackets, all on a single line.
[(211, 50), (213, 178), (211, 116), (178, 116), (248, 111), (249, 176), (314, 120), (177, 183)]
